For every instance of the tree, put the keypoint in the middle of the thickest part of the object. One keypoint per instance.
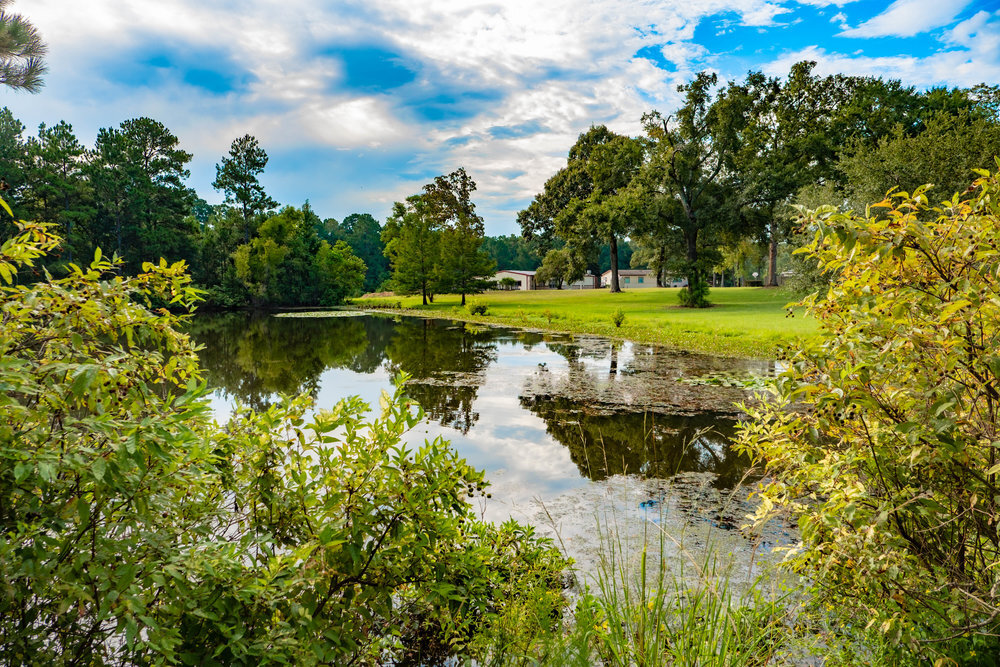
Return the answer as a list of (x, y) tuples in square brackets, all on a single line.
[(138, 171), (944, 154), (57, 186), (464, 267), (613, 209), (364, 234), (571, 182), (237, 176), (784, 143), (412, 238), (889, 458), (688, 160), (561, 266), (587, 202), (13, 164), (21, 51)]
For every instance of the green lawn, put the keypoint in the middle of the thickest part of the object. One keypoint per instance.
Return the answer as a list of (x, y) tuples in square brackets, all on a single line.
[(743, 322)]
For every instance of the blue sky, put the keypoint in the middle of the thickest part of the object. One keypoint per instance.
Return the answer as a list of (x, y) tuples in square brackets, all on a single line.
[(359, 103)]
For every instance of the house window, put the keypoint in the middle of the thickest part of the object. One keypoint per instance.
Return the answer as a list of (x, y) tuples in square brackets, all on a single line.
[(626, 280), (640, 281)]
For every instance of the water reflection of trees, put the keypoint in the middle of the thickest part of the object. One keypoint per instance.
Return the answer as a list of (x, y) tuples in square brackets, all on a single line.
[(655, 445), (448, 363), (253, 358)]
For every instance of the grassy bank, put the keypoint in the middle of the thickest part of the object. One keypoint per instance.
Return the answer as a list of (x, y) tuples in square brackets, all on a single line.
[(743, 322)]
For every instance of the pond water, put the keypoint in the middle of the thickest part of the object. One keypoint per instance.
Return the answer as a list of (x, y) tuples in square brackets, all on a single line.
[(571, 430)]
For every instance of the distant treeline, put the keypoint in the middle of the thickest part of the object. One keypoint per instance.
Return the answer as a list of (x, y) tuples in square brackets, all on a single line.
[(711, 186), (128, 196)]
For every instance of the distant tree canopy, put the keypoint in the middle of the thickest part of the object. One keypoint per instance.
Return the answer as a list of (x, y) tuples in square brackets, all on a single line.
[(723, 170), (127, 195)]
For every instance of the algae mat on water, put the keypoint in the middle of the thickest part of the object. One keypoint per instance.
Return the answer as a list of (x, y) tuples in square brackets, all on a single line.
[(742, 322)]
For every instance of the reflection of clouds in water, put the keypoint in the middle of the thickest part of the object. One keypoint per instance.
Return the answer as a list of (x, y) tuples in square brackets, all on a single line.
[(681, 522), (530, 403)]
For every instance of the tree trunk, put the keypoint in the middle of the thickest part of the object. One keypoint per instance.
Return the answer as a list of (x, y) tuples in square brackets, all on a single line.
[(772, 259), (463, 298), (614, 265), (693, 275), (423, 293), (660, 259)]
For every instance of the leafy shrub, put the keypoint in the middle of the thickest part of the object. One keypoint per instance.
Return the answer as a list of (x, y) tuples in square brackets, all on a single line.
[(890, 459), (618, 317), (138, 531), (478, 307), (695, 295)]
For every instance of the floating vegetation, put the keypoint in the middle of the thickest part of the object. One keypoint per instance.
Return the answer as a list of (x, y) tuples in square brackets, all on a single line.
[(748, 382), (311, 314)]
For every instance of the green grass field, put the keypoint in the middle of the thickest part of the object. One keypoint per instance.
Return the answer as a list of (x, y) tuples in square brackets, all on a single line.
[(743, 322)]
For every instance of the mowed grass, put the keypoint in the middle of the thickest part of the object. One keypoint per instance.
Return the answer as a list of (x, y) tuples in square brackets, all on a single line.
[(742, 322)]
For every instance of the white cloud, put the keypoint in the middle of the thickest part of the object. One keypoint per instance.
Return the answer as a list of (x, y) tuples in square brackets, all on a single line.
[(905, 18), (952, 67)]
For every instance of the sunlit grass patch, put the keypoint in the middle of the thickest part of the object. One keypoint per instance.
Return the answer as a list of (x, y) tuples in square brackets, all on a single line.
[(743, 322)]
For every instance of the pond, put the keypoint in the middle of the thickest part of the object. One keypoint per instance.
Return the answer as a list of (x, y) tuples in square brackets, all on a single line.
[(570, 430)]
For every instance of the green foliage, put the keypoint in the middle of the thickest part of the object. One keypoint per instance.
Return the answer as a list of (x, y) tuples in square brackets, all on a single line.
[(889, 459), (618, 317), (139, 531), (22, 52), (561, 266), (478, 307), (513, 252), (237, 176), (944, 154), (364, 234), (286, 264), (137, 172), (695, 296)]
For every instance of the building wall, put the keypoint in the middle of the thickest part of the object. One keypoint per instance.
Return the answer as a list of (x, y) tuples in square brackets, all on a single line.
[(525, 282)]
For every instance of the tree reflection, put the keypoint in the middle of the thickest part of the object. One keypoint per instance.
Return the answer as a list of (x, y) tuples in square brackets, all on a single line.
[(604, 443), (448, 362), (254, 357)]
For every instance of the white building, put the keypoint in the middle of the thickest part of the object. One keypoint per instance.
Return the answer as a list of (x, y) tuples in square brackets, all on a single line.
[(639, 278), (525, 279)]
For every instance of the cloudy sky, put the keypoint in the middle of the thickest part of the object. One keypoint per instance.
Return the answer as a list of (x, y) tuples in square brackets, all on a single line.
[(361, 103)]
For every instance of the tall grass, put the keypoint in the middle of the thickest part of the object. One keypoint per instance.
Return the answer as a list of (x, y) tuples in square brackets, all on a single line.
[(650, 615), (642, 609)]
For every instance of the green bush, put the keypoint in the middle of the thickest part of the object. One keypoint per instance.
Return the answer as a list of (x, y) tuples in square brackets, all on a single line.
[(478, 307), (618, 317), (138, 531), (694, 296), (890, 457)]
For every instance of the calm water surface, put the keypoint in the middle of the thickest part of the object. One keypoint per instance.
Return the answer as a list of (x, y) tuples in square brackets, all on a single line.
[(569, 429)]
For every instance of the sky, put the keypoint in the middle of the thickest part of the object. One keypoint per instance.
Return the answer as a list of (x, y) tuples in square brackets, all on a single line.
[(359, 104)]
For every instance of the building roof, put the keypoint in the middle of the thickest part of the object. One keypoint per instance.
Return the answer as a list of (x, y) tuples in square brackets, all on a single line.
[(523, 273)]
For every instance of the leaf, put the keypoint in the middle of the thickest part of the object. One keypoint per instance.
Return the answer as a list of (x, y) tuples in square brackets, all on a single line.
[(85, 377), (6, 207), (98, 468)]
